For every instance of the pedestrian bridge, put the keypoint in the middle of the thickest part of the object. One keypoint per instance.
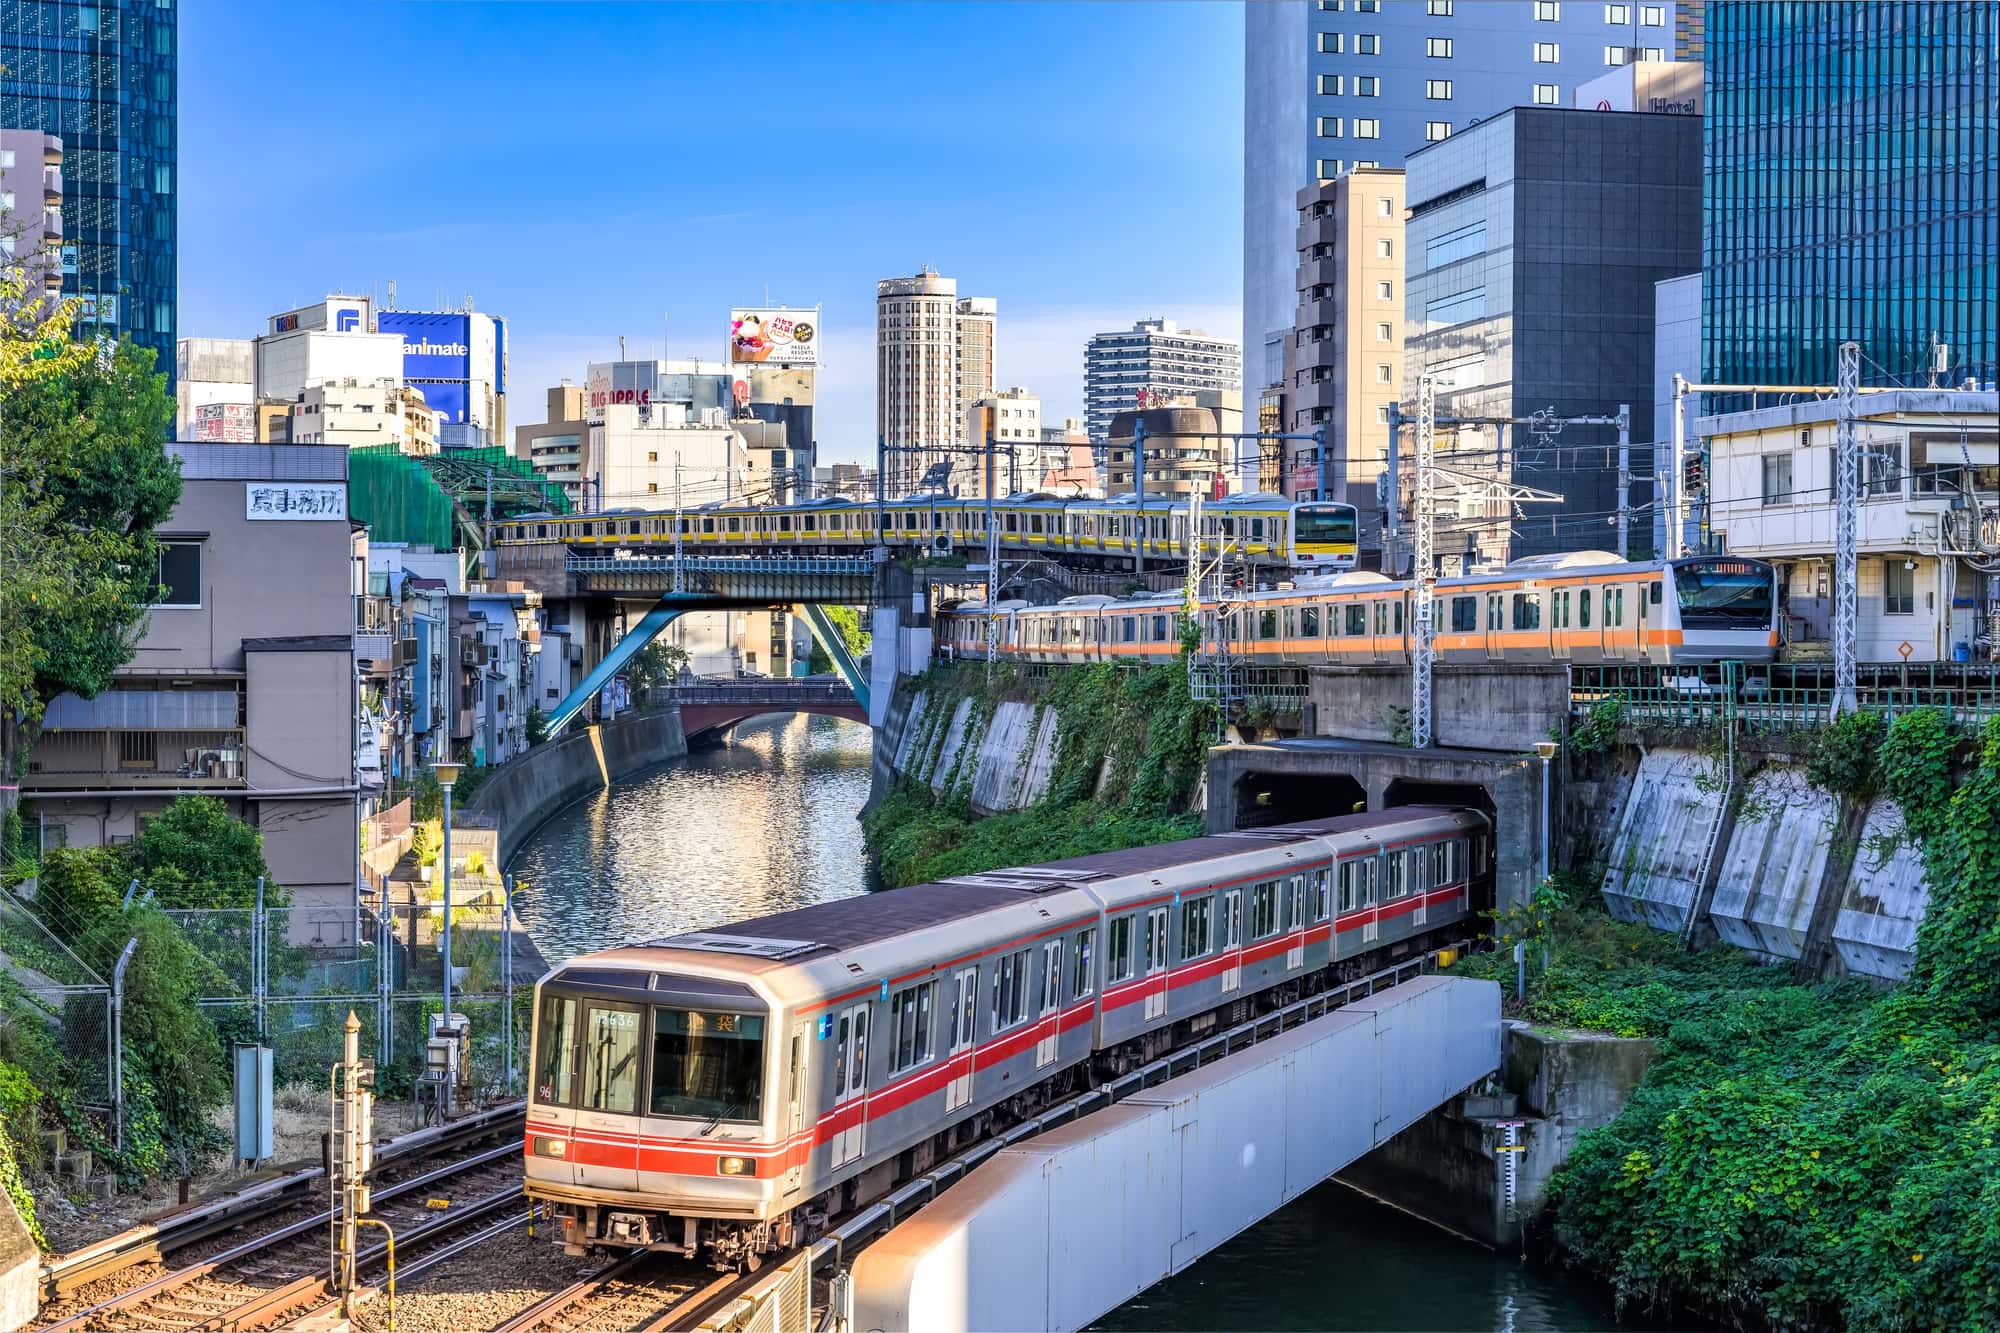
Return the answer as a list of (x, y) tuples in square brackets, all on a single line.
[(708, 706), (1072, 1214)]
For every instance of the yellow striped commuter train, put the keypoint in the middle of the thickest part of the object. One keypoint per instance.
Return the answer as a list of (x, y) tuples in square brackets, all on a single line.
[(1582, 606), (1267, 531)]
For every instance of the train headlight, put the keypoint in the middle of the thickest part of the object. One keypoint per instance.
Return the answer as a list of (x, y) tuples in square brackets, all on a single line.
[(548, 1147), (735, 1166)]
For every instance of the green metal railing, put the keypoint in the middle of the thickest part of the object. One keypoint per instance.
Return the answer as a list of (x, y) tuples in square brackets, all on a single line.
[(1777, 699)]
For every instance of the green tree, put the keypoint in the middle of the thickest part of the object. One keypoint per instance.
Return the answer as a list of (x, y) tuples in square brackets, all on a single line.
[(84, 479), (197, 854), (655, 666), (79, 888), (847, 620)]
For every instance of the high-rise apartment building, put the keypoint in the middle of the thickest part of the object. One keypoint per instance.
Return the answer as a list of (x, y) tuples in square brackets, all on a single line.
[(1336, 84), (1344, 366), (1534, 242), (933, 359), (31, 195), (100, 75), (1012, 420), (1154, 360), (1853, 190)]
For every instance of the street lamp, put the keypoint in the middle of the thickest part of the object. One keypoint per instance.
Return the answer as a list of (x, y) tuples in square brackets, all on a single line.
[(447, 774), (1546, 749)]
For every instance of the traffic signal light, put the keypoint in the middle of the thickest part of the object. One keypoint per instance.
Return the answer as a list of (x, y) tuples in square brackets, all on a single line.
[(1692, 473)]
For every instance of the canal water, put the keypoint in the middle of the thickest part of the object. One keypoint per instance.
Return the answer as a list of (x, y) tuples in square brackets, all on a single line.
[(768, 823)]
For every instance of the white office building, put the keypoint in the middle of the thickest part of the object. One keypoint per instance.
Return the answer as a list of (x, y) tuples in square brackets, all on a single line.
[(1154, 361)]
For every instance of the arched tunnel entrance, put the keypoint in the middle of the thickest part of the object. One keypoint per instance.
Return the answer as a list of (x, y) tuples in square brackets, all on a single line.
[(1414, 791), (1264, 799)]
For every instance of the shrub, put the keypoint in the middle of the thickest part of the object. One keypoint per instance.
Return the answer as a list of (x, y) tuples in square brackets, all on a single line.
[(1843, 757), (80, 888), (197, 854)]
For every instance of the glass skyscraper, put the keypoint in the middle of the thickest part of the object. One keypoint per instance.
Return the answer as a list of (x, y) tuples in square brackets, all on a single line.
[(100, 74), (1851, 169)]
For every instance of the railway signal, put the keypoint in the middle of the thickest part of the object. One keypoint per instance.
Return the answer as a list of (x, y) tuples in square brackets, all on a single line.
[(352, 1157)]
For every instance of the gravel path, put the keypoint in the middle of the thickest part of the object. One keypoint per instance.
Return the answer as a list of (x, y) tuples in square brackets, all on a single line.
[(483, 1287)]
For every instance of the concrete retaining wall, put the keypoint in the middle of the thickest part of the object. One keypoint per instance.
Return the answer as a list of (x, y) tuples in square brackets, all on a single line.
[(1655, 865), (1876, 933), (1495, 707), (1052, 1233), (524, 791), (1770, 880), (20, 1270), (1004, 758)]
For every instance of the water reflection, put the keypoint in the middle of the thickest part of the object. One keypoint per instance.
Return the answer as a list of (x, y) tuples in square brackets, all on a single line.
[(765, 824)]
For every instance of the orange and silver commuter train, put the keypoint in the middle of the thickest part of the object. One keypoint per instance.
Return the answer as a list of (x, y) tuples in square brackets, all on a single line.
[(1265, 531), (1582, 607), (728, 1092)]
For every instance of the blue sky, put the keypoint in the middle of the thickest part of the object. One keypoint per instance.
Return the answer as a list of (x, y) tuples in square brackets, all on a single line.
[(585, 169)]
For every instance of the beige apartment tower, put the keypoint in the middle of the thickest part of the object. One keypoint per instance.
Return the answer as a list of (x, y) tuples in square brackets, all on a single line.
[(1344, 362), (933, 360)]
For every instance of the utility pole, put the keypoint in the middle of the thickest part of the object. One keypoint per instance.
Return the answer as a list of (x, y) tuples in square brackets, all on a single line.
[(1391, 533), (1423, 570), (1139, 489), (1676, 473), (1624, 481), (678, 579), (1319, 452), (1846, 502)]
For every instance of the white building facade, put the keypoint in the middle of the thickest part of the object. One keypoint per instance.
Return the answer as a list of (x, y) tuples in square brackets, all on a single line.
[(933, 358), (1154, 360), (1928, 519)]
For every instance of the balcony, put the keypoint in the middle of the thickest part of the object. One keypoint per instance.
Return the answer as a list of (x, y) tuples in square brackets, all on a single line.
[(1316, 231), (137, 760), (1328, 272), (1314, 314)]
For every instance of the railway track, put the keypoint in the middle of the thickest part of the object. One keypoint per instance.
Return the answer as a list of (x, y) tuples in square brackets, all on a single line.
[(640, 1293), (262, 1282), (152, 1243)]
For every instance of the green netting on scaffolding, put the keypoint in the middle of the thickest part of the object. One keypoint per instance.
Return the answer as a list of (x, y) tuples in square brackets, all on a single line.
[(469, 476), (398, 498)]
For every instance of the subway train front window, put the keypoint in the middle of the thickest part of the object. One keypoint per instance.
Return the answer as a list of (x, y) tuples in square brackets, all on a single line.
[(708, 1065), (1721, 593), (555, 1050), (611, 1051)]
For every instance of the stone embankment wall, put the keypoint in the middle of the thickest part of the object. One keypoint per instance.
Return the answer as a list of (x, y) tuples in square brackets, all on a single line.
[(1001, 755), (1755, 854), (525, 791)]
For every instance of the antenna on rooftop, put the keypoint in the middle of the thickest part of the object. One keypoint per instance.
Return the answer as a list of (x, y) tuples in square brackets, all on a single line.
[(391, 305)]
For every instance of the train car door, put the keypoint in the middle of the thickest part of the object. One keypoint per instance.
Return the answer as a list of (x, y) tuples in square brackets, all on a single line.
[(798, 1148), (1232, 939), (962, 1031), (850, 1071), (1295, 922), (1046, 1040), (607, 1106), (1496, 626)]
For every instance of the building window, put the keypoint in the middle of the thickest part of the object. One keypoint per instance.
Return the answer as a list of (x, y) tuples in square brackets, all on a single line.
[(1383, 333), (1385, 291), (1385, 208), (1367, 44), (1548, 11), (1329, 127), (1332, 43), (1653, 16), (1438, 9), (1616, 55), (1438, 90), (1438, 47), (1435, 130), (1382, 416), (1777, 479), (1618, 15), (1899, 588), (1652, 53), (1381, 373), (1367, 85), (1385, 248), (1548, 53), (179, 574), (1332, 6), (1547, 94), (1329, 167), (1367, 6), (1367, 129), (1332, 85), (1456, 308), (1456, 244)]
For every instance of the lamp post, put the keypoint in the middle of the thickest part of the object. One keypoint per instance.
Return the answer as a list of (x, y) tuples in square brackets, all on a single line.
[(447, 773), (1546, 749)]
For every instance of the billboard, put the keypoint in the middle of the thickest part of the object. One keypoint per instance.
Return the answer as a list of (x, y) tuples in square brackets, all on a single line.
[(777, 337), (435, 347), (226, 423)]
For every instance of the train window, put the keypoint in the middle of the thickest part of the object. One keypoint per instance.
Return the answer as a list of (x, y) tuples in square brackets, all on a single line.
[(1256, 529), (1381, 618), (910, 1026), (1010, 990), (1309, 621), (1364, 881), (1319, 894), (1464, 615), (959, 1021), (1267, 624), (784, 522), (1559, 617), (1034, 523), (836, 523), (1653, 593), (1084, 980), (1013, 522), (1614, 607), (1420, 868), (1229, 527), (541, 529), (1527, 610), (1052, 976), (1494, 621), (611, 1060), (1159, 528), (1264, 909), (1357, 619), (707, 1064), (809, 523), (1583, 608), (1394, 884), (1232, 918), (1156, 939), (555, 1050), (1295, 903), (1118, 962), (1346, 878), (733, 523), (1128, 629), (1291, 623), (1159, 634), (1195, 916), (1397, 616), (708, 525)]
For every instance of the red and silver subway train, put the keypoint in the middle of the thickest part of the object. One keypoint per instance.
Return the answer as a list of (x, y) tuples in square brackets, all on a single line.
[(1582, 607), (727, 1092)]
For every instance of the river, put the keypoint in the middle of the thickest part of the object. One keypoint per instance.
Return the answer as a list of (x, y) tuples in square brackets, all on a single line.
[(768, 823)]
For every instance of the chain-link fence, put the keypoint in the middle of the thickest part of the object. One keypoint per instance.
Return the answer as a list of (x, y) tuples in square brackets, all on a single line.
[(57, 1003)]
